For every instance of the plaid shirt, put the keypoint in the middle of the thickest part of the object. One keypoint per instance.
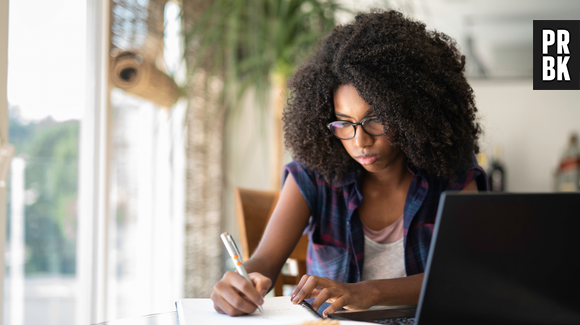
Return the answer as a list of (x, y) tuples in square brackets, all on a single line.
[(336, 246)]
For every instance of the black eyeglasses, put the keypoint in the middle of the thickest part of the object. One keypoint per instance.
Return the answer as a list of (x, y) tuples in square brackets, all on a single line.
[(345, 130)]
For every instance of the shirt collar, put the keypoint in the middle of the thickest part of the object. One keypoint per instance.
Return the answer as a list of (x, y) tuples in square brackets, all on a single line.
[(350, 178), (412, 168), (354, 178)]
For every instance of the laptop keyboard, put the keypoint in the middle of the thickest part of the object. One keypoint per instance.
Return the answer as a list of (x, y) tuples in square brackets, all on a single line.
[(397, 321)]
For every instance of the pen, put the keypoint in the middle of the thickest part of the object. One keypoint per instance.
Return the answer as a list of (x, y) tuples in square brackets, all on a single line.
[(236, 255)]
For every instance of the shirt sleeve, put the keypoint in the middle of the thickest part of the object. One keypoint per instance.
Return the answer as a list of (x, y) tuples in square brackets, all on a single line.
[(306, 181), (473, 172)]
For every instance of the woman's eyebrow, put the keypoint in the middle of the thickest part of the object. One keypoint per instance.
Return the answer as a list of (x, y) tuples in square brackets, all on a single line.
[(341, 115)]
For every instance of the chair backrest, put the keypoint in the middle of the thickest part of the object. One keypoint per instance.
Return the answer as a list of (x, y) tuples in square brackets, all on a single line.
[(253, 210)]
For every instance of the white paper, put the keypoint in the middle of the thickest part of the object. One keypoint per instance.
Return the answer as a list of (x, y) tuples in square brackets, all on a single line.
[(277, 311)]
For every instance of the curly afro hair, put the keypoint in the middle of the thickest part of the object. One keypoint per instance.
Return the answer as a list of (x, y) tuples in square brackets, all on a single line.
[(412, 79)]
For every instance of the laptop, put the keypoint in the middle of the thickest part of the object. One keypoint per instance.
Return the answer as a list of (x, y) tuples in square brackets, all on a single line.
[(497, 259)]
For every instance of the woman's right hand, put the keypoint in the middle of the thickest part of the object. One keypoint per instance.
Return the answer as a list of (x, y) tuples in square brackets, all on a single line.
[(234, 295)]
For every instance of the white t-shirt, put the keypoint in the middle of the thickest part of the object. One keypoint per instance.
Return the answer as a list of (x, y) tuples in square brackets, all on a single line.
[(384, 252)]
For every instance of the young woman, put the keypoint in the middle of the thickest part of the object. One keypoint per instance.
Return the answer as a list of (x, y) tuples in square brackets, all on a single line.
[(381, 121)]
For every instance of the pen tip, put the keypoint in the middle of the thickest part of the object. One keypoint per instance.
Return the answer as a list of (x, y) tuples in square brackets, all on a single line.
[(261, 309)]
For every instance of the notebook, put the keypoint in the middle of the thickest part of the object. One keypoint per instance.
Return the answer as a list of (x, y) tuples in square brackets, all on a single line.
[(277, 311), (498, 259)]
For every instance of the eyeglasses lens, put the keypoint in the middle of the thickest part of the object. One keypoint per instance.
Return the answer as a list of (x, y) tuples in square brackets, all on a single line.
[(342, 130), (373, 127)]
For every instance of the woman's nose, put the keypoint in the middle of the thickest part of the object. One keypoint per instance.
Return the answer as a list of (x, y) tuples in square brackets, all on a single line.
[(361, 138)]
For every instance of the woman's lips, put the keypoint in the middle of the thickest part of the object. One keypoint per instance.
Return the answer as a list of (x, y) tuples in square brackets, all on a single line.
[(367, 159)]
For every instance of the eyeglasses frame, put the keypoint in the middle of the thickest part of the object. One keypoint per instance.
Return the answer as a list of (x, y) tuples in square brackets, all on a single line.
[(354, 125)]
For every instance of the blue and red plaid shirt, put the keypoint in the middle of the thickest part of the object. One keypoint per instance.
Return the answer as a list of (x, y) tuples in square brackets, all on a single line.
[(336, 246)]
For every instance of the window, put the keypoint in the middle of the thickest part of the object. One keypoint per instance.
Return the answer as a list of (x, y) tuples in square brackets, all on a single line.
[(46, 101), (95, 209)]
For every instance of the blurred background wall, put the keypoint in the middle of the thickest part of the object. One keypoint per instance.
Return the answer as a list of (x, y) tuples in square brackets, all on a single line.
[(532, 127)]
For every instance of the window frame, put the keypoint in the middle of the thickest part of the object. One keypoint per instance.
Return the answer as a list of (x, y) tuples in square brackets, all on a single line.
[(3, 134), (94, 162)]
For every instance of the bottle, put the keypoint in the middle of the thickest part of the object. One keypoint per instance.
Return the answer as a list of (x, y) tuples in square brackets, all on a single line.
[(482, 161), (497, 171), (568, 174)]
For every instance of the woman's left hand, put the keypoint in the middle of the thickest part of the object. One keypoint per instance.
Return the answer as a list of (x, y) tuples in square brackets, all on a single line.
[(355, 296)]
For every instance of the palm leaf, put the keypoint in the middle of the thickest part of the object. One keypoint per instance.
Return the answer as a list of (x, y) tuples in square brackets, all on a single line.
[(247, 41)]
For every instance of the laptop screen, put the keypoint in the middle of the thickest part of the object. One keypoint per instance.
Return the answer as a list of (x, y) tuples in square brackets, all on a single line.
[(504, 259)]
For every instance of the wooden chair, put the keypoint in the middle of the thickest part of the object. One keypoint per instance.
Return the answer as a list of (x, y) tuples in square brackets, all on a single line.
[(253, 210)]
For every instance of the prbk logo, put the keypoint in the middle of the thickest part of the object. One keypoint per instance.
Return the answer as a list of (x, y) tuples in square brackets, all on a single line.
[(556, 54)]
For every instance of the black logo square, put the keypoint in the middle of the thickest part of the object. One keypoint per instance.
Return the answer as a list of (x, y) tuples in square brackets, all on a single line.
[(556, 54)]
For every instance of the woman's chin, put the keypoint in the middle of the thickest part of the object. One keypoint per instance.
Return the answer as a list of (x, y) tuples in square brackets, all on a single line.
[(371, 168)]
